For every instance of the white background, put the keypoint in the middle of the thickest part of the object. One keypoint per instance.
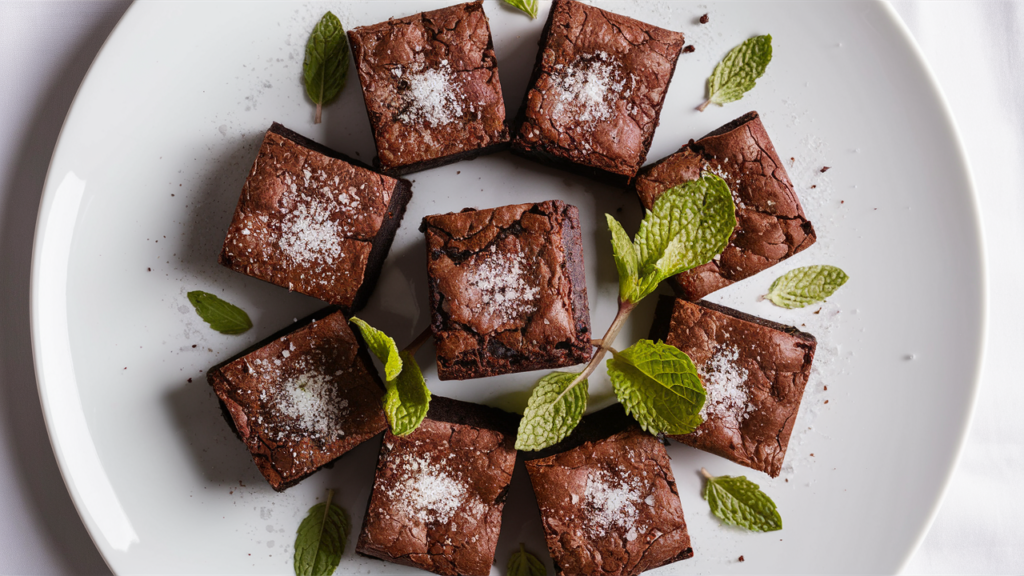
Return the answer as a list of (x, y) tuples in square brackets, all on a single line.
[(976, 50)]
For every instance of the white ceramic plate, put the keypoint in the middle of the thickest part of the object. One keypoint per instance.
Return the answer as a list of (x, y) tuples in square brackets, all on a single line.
[(151, 161)]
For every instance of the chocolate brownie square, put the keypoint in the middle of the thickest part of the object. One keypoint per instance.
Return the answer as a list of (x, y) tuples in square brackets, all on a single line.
[(439, 491), (770, 223), (301, 398), (315, 221), (507, 290), (754, 372), (608, 499), (430, 82), (596, 91)]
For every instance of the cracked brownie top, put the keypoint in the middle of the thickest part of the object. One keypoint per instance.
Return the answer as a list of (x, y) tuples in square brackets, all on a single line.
[(439, 492), (307, 221), (770, 223), (302, 399), (507, 289), (754, 372), (430, 82), (597, 88), (611, 506)]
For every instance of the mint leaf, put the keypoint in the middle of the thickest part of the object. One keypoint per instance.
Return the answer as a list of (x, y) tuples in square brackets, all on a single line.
[(658, 385), (738, 72), (382, 346), (523, 563), (325, 68), (550, 416), (626, 260), (740, 502), (220, 315), (688, 226), (802, 286), (407, 399), (320, 540), (528, 6)]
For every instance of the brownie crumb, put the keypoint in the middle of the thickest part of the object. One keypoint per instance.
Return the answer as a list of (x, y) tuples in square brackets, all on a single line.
[(149, 269), (842, 201), (826, 387), (814, 185), (189, 379), (741, 557), (826, 401), (688, 48), (825, 168), (193, 345), (704, 20)]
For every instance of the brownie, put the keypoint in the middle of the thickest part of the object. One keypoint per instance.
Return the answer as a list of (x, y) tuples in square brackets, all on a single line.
[(430, 82), (507, 289), (596, 91), (754, 372), (302, 398), (438, 492), (608, 499), (770, 223)]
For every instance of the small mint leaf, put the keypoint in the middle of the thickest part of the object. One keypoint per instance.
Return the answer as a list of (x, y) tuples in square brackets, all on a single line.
[(528, 6), (738, 72), (740, 502), (626, 260), (320, 540), (548, 418), (382, 346), (522, 563), (325, 68), (802, 286), (688, 226), (222, 316), (658, 386), (407, 399)]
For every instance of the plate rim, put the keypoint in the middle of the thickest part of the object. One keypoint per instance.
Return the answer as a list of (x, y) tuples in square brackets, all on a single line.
[(47, 200)]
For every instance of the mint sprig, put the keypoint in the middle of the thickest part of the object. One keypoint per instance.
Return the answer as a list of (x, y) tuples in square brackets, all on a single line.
[(320, 539), (527, 6), (807, 285), (551, 415), (406, 396), (222, 316), (740, 502), (658, 385), (325, 68), (738, 72), (522, 563), (688, 226)]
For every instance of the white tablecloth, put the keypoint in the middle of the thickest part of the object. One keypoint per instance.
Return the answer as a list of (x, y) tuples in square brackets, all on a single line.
[(976, 50)]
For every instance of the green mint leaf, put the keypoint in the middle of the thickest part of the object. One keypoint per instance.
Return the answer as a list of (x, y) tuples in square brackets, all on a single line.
[(626, 260), (738, 72), (802, 286), (320, 540), (688, 226), (528, 6), (550, 416), (325, 68), (382, 346), (658, 386), (407, 399), (740, 502), (523, 563), (222, 316)]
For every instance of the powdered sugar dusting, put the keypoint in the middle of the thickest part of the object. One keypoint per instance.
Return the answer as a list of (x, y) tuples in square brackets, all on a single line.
[(312, 401), (430, 96), (726, 385), (501, 281), (611, 502), (313, 229), (427, 491), (588, 88)]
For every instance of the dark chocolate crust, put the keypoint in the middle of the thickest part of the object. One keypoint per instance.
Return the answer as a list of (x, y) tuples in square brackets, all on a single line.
[(313, 220), (465, 455), (775, 360), (250, 384), (771, 224), (610, 505), (507, 290), (467, 120), (608, 141)]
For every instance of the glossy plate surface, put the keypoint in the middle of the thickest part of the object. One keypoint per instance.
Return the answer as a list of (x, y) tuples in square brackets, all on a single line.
[(165, 127)]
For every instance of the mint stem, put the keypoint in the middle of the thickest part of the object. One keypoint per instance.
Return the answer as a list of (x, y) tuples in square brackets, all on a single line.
[(706, 474), (319, 109), (704, 105), (418, 341), (603, 346)]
